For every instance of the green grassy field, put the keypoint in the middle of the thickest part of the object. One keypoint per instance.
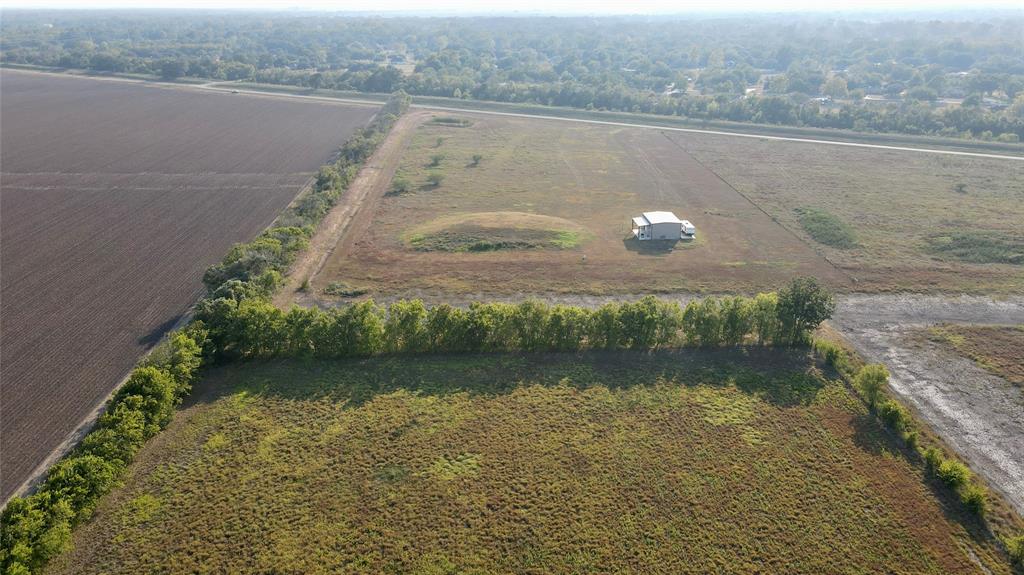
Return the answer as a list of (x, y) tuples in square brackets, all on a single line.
[(672, 462)]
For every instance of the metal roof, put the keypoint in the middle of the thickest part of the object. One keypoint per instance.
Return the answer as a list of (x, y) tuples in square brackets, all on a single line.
[(640, 221), (662, 218)]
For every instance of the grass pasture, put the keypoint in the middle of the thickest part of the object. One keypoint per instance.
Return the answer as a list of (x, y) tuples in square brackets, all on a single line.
[(588, 179), (921, 221), (859, 219), (677, 462)]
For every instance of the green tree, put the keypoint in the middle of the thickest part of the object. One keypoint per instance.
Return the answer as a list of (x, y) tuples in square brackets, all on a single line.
[(406, 327), (605, 329), (802, 306), (764, 316)]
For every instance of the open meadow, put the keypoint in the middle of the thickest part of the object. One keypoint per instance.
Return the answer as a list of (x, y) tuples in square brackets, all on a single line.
[(496, 205), (689, 461), (547, 208), (894, 220), (116, 196)]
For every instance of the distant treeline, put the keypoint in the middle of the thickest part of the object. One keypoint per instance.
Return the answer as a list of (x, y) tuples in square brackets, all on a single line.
[(694, 67)]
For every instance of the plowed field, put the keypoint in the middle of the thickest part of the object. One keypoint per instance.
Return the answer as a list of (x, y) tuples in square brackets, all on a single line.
[(115, 197)]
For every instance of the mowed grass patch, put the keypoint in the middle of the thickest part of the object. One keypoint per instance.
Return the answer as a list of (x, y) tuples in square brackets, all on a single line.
[(490, 231), (670, 462), (825, 228), (997, 349)]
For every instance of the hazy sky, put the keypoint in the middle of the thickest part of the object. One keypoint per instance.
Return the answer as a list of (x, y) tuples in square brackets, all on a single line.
[(546, 6)]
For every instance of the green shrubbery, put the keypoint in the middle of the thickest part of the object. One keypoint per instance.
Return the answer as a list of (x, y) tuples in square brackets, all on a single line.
[(246, 327), (37, 527), (826, 228)]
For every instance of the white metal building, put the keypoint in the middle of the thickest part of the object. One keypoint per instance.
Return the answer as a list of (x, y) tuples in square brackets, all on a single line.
[(662, 226)]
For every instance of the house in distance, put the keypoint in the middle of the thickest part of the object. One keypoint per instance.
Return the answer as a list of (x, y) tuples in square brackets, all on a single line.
[(662, 226)]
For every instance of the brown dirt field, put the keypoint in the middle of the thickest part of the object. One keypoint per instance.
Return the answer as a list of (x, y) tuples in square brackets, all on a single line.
[(595, 176), (114, 198)]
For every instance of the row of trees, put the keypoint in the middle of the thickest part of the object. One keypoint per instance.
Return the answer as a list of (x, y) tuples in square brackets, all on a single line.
[(38, 527), (623, 64), (251, 327)]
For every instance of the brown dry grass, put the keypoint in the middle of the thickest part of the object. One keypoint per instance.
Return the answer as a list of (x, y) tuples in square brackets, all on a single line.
[(998, 349), (593, 176), (897, 204)]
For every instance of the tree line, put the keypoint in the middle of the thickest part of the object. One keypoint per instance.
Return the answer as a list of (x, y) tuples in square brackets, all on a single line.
[(37, 527), (871, 382), (257, 267), (253, 328)]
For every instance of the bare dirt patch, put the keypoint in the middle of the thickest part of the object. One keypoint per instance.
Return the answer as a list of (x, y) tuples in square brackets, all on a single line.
[(115, 197)]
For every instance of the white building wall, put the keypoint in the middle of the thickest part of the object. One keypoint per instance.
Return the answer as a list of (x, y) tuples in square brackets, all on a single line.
[(666, 231)]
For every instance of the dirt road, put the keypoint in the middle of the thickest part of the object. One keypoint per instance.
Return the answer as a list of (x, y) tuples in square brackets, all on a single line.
[(337, 231)]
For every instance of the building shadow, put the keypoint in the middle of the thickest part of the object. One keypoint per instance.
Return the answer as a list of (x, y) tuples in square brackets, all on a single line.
[(649, 247)]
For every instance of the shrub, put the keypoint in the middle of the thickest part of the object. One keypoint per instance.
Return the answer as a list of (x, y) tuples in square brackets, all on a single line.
[(975, 498), (895, 416), (870, 381), (953, 473), (833, 354), (1015, 547), (435, 178), (932, 459)]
